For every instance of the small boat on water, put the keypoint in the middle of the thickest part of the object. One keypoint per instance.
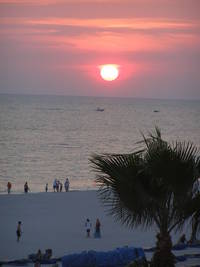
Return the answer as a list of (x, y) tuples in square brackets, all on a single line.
[(100, 109)]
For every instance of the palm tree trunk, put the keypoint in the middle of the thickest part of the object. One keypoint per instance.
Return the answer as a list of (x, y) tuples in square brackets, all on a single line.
[(163, 256)]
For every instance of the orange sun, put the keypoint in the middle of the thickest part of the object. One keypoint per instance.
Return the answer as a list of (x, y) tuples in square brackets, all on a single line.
[(109, 72)]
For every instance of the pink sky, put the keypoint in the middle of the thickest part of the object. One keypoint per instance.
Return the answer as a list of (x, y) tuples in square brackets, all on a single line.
[(55, 47)]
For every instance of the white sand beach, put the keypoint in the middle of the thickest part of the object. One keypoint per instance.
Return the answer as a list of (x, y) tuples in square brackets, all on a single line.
[(56, 221)]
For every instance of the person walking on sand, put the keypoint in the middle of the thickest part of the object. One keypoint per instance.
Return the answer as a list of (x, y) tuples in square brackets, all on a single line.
[(54, 185), (26, 188), (57, 185), (67, 185), (88, 227), (97, 233), (9, 185), (46, 188), (19, 231), (61, 186)]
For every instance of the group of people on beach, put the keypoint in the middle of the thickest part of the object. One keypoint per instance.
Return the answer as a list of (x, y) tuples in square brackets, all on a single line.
[(26, 187), (183, 241), (39, 256), (97, 229), (57, 186), (88, 228)]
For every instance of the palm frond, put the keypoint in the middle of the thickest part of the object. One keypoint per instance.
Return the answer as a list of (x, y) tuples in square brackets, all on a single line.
[(154, 184)]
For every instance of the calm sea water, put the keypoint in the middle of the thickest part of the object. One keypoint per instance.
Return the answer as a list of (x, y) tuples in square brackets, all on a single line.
[(47, 137)]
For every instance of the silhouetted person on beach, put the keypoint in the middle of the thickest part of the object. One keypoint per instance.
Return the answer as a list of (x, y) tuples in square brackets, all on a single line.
[(88, 226), (39, 255), (182, 239), (67, 185), (46, 187), (57, 186), (19, 231), (48, 253), (61, 186), (54, 185), (97, 233), (26, 188), (9, 185)]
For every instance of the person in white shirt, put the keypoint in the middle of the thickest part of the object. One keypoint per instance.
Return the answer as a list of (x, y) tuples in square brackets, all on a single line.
[(88, 227)]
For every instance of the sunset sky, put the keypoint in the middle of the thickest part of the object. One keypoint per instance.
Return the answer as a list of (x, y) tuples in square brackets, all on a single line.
[(56, 47)]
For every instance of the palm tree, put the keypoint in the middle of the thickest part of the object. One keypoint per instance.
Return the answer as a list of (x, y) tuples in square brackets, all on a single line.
[(154, 185)]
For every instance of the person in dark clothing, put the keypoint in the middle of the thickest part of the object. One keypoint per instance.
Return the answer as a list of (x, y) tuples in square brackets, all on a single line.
[(182, 239), (9, 185), (97, 233), (46, 187), (61, 186), (39, 255), (26, 188), (19, 231)]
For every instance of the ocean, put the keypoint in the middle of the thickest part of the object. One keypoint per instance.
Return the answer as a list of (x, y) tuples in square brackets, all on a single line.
[(48, 137)]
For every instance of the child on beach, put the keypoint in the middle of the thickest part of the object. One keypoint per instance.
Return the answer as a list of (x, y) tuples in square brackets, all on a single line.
[(88, 227), (9, 185), (19, 231)]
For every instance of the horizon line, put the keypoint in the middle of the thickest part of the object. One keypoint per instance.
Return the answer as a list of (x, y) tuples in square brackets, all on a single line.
[(101, 96)]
